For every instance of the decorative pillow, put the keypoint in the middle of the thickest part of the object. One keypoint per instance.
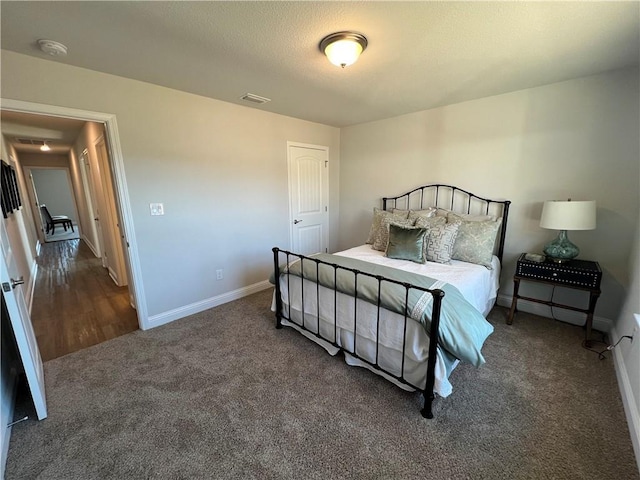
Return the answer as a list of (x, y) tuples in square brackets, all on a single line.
[(398, 211), (475, 242), (428, 222), (454, 217), (406, 243), (441, 241), (426, 213), (376, 224), (381, 237)]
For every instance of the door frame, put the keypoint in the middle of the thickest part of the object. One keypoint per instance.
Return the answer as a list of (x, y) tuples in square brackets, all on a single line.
[(325, 192), (123, 203)]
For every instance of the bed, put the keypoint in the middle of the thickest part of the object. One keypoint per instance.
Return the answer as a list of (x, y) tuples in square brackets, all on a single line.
[(410, 304)]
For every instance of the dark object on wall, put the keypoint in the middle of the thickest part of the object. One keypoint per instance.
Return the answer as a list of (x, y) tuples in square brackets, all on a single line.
[(10, 194)]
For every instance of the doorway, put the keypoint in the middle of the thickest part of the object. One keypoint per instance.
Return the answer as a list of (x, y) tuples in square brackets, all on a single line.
[(119, 195), (51, 188)]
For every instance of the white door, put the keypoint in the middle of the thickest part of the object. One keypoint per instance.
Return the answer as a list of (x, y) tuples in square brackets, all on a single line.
[(21, 324), (92, 206), (111, 224), (309, 198)]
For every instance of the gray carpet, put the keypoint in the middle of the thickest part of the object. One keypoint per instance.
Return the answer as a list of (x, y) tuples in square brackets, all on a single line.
[(223, 394)]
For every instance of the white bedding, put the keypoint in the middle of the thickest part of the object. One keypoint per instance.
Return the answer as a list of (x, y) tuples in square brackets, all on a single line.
[(477, 284)]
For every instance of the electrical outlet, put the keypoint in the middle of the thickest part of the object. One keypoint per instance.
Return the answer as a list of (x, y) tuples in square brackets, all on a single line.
[(156, 208), (219, 275)]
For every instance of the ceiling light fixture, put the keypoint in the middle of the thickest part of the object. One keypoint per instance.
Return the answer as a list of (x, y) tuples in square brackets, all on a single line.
[(53, 48), (45, 147), (343, 48)]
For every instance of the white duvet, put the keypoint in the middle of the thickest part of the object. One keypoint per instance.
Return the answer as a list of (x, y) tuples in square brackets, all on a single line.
[(477, 283)]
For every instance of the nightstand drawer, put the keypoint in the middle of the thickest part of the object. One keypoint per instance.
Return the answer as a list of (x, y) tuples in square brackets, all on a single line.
[(573, 273)]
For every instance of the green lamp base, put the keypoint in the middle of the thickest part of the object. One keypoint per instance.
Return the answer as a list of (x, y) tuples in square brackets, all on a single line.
[(561, 250)]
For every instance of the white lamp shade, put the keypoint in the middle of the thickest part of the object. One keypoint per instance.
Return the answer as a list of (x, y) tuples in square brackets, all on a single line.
[(569, 215), (343, 52)]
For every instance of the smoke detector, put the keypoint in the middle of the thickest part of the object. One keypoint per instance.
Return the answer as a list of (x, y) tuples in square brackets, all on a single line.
[(53, 48)]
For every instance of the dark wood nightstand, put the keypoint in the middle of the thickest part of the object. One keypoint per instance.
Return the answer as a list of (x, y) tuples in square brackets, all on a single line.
[(578, 274)]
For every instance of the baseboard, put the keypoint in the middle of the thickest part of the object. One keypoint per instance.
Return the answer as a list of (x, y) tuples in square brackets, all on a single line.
[(113, 276), (601, 324), (628, 400), (91, 247), (171, 315)]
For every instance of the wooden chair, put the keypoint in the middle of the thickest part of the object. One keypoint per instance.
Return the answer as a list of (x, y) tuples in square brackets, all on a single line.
[(54, 220)]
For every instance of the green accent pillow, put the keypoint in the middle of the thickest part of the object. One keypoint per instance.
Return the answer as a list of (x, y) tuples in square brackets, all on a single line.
[(475, 242), (406, 243)]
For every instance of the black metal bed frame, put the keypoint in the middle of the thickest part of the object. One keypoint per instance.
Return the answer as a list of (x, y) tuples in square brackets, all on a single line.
[(457, 198), (437, 295)]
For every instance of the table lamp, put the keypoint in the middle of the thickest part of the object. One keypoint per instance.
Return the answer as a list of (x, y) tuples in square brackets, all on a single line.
[(566, 215)]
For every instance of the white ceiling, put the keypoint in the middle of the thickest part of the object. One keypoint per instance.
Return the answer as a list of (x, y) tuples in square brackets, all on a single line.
[(420, 55)]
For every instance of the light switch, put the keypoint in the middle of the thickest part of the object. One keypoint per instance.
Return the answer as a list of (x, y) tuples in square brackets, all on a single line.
[(156, 208)]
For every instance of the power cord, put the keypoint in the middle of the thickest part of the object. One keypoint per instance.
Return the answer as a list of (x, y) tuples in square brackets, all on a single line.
[(601, 353), (585, 345)]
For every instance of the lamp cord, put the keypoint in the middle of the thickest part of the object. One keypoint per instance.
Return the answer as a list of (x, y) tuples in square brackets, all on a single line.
[(601, 353)]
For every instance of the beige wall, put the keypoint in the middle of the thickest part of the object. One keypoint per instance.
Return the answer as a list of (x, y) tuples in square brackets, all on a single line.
[(576, 139), (43, 160), (220, 170)]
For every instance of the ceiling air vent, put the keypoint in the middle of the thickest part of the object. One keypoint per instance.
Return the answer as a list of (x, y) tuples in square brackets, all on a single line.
[(30, 141), (250, 97)]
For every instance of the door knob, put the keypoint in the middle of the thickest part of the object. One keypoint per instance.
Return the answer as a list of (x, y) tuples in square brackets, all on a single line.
[(295, 222), (15, 283)]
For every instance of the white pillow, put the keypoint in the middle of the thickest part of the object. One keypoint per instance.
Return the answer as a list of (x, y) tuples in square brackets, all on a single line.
[(454, 216), (425, 213)]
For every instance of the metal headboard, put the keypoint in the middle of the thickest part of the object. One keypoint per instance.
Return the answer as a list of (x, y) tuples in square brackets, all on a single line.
[(454, 199)]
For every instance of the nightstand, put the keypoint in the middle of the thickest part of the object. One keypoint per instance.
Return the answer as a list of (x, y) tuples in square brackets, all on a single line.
[(578, 274)]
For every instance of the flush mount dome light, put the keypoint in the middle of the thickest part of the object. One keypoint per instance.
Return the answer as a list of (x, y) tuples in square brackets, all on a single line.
[(53, 48), (343, 48)]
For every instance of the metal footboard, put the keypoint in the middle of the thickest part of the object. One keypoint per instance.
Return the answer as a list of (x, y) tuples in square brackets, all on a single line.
[(283, 257)]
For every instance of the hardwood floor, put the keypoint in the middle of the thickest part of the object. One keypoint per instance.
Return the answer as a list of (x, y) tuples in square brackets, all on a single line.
[(76, 304)]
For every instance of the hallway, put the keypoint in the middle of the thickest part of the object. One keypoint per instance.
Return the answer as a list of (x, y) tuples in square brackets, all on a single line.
[(76, 304)]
